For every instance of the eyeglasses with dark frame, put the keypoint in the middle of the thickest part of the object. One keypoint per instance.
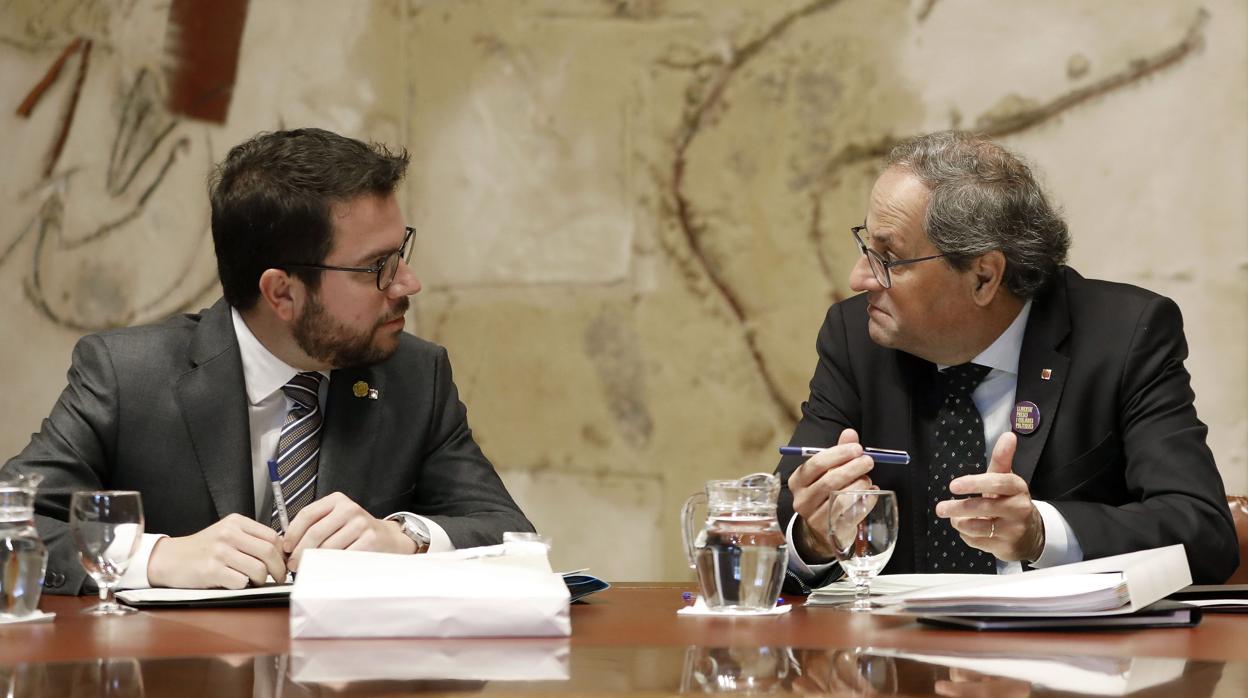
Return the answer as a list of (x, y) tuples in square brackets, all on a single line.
[(880, 266), (386, 268)]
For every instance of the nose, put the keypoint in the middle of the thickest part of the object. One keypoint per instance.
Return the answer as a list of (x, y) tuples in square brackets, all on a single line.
[(861, 278), (405, 282)]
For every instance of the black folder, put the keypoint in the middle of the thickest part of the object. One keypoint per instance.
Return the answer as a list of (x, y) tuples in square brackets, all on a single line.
[(1162, 614)]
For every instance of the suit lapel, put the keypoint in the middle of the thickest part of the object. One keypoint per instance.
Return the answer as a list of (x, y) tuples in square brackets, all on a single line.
[(347, 436), (213, 402), (1047, 329)]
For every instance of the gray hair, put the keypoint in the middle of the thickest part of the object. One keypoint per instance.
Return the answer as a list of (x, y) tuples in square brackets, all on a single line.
[(985, 198)]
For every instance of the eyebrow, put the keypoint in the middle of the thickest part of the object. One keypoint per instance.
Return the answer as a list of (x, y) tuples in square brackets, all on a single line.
[(884, 239), (370, 258)]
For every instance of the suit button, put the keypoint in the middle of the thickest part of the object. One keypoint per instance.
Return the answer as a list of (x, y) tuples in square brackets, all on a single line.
[(53, 580)]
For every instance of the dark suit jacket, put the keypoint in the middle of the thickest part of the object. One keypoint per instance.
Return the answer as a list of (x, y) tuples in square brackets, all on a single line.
[(1118, 450), (162, 409)]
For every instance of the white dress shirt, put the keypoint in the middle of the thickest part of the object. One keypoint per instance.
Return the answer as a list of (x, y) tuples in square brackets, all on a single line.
[(994, 398), (263, 377)]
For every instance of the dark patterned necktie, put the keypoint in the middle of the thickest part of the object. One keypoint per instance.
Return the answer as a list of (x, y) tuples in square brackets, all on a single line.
[(299, 446), (959, 450)]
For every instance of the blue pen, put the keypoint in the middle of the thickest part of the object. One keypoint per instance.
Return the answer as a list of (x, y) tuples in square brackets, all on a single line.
[(879, 455), (279, 503)]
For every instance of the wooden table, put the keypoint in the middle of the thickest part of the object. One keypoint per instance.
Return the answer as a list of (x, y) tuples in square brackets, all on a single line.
[(625, 640)]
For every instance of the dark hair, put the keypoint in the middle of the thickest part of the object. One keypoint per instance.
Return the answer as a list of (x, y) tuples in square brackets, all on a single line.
[(272, 198), (985, 198)]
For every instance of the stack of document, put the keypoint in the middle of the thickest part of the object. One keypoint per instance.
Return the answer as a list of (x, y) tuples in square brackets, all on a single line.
[(503, 590), (842, 591), (1075, 593), (1120, 584)]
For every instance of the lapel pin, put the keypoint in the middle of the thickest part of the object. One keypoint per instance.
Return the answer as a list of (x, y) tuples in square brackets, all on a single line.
[(1026, 417), (1046, 374), (361, 389), (373, 394)]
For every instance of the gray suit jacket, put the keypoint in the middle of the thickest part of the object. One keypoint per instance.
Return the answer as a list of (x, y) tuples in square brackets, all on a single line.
[(162, 409)]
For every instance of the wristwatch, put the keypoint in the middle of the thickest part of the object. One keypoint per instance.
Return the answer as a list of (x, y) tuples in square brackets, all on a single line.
[(413, 528)]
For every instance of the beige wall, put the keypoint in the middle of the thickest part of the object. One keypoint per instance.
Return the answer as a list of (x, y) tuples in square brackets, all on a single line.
[(633, 215)]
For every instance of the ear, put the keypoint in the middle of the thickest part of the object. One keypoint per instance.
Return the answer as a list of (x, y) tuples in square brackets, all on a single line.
[(281, 293), (987, 272)]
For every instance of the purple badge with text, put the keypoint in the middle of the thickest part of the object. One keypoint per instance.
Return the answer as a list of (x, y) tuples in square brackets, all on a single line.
[(1026, 417)]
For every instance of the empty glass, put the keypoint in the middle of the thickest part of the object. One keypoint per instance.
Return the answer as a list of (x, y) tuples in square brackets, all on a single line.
[(740, 552), (107, 527), (863, 527)]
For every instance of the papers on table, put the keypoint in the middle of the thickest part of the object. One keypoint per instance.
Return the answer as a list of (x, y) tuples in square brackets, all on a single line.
[(1063, 594), (504, 590), (36, 617), (842, 591), (275, 594), (1106, 586), (1215, 598)]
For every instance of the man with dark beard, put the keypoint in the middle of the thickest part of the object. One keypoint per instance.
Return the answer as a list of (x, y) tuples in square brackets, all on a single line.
[(302, 369)]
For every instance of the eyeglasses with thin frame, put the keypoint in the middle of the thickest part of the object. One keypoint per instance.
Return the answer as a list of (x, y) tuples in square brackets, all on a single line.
[(386, 268), (879, 266)]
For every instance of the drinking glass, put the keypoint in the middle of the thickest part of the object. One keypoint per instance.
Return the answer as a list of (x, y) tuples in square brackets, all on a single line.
[(863, 527), (107, 527)]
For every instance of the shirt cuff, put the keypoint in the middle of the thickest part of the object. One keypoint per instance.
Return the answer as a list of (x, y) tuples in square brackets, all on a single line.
[(1061, 547), (136, 574), (806, 573), (439, 541)]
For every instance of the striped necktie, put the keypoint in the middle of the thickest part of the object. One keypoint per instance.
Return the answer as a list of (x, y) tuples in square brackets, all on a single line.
[(299, 446)]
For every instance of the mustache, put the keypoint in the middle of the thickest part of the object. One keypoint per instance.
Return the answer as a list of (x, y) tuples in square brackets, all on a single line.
[(399, 311)]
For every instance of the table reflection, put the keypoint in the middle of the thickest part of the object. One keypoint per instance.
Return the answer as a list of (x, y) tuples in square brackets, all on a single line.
[(544, 667), (867, 671), (100, 678)]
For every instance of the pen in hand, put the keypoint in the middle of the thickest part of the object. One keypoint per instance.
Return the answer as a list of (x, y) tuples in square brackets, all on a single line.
[(879, 455), (279, 503)]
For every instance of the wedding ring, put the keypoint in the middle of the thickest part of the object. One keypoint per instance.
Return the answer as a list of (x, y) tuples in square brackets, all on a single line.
[(993, 531)]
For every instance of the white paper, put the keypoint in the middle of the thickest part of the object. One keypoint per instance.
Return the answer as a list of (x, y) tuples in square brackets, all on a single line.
[(1148, 575), (505, 590), (893, 584), (36, 617), (159, 595), (699, 608)]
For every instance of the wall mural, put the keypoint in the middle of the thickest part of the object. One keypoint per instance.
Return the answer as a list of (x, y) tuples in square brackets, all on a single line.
[(123, 165), (706, 106)]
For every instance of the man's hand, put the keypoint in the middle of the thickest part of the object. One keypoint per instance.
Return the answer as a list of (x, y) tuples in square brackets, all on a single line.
[(229, 554), (338, 523), (1004, 521), (842, 467)]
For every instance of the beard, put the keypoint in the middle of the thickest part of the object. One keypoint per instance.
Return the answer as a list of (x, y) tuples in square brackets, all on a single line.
[(325, 339)]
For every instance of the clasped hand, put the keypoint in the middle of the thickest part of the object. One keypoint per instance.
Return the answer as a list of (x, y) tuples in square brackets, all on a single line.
[(237, 550)]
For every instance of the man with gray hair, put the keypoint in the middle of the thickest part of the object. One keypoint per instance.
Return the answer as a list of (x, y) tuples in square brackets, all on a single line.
[(1063, 400)]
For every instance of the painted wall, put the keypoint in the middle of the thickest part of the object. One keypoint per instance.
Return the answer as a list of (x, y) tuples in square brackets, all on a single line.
[(632, 214)]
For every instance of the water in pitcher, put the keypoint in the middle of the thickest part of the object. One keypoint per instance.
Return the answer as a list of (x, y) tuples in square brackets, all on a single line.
[(741, 562), (22, 562)]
